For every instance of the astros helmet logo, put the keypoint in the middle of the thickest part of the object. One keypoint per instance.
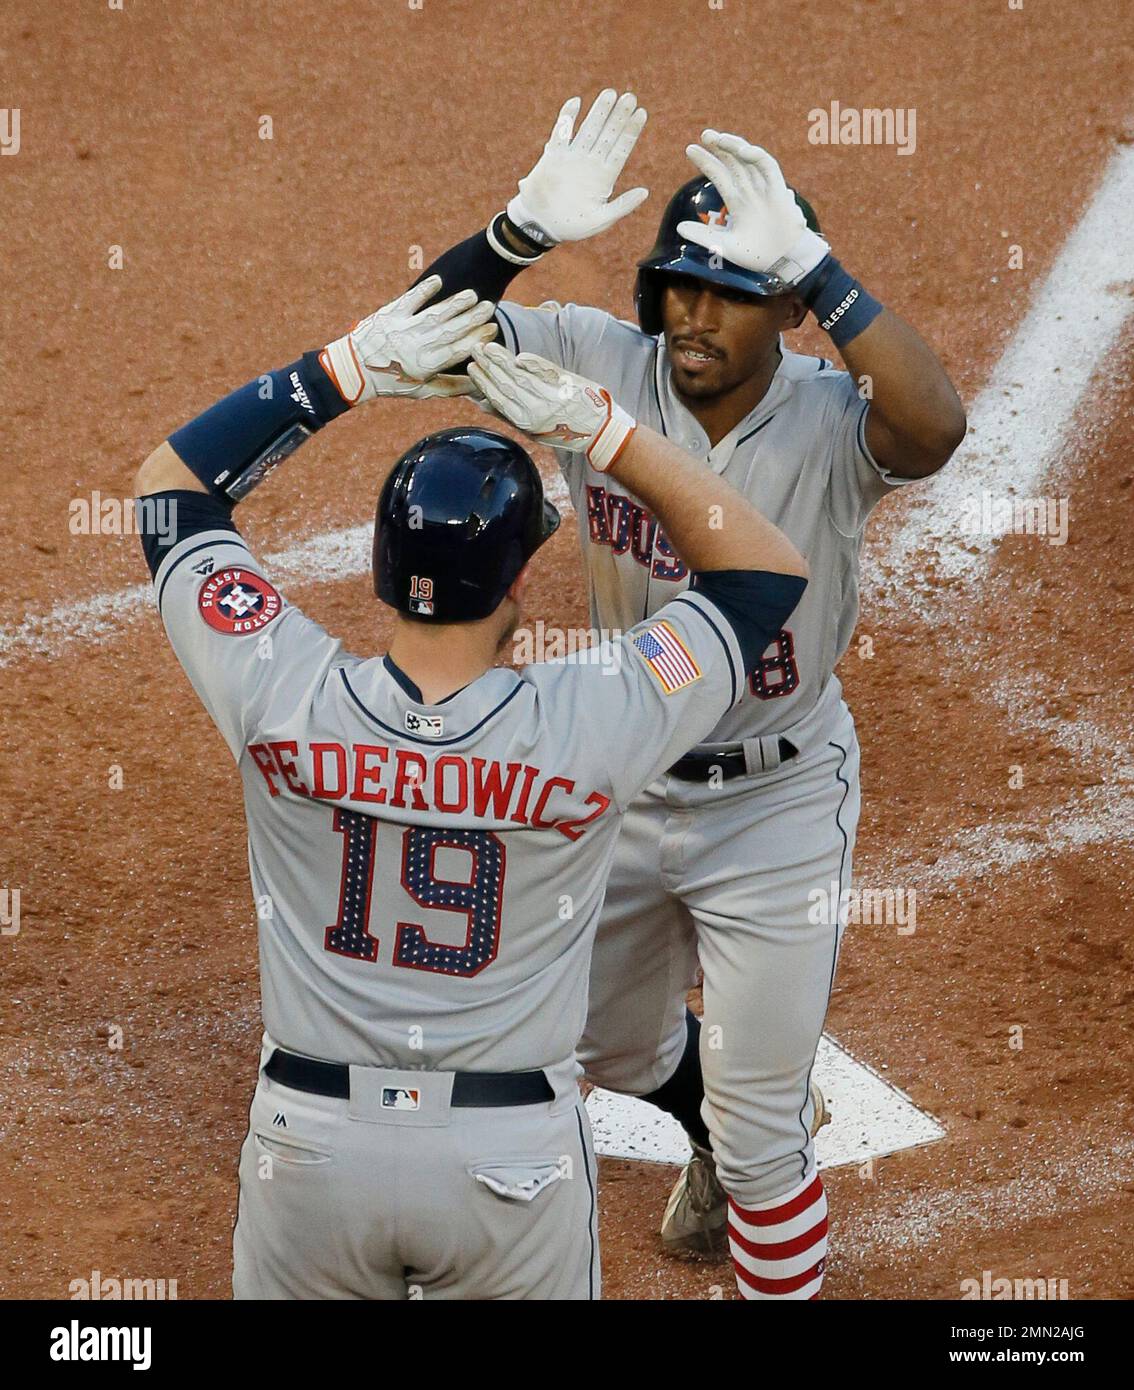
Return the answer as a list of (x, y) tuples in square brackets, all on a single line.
[(717, 217)]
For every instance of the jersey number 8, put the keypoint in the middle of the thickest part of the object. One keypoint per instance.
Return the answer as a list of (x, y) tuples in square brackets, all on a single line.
[(778, 674)]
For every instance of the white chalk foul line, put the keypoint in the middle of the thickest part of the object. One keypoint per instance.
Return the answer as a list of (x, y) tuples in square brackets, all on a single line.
[(332, 555), (1020, 424), (1020, 420)]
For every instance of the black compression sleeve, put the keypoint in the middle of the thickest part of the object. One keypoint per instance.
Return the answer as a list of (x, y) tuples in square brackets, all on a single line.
[(474, 265), (756, 603), (164, 518)]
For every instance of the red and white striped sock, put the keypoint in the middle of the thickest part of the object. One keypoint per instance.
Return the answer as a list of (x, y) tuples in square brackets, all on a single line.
[(779, 1248)]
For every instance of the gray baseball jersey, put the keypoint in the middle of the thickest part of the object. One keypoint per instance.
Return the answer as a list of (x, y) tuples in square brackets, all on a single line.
[(800, 457), (428, 878)]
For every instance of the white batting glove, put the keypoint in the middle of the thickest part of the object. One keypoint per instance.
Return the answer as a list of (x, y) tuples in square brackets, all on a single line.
[(399, 350), (766, 230), (552, 406), (565, 197)]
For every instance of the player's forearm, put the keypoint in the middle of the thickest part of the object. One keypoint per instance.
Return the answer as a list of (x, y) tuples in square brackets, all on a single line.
[(402, 349), (231, 446), (708, 523), (916, 419), (487, 262)]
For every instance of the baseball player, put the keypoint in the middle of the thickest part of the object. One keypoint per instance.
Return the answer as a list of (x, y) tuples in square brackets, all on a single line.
[(429, 834), (721, 859)]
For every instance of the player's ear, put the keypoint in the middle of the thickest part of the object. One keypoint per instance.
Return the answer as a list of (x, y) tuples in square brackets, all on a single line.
[(795, 311), (518, 586)]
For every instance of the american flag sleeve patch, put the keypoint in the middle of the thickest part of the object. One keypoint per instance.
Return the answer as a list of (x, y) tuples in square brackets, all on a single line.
[(668, 657)]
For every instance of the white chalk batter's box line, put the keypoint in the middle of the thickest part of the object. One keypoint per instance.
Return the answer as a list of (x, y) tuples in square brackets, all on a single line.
[(1018, 425)]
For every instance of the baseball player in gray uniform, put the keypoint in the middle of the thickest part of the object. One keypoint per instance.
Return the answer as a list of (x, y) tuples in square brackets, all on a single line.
[(429, 834), (720, 860)]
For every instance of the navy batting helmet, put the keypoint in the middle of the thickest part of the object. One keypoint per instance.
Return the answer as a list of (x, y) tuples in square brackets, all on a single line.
[(697, 200), (458, 518)]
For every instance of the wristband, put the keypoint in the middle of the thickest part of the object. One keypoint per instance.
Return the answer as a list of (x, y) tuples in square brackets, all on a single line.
[(614, 434), (498, 244), (842, 306), (342, 368), (519, 218)]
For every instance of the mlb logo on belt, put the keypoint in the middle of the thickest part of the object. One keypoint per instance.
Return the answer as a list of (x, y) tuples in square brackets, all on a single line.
[(400, 1098)]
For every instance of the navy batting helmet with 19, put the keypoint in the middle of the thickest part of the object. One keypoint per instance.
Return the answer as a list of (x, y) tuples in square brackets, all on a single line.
[(459, 516)]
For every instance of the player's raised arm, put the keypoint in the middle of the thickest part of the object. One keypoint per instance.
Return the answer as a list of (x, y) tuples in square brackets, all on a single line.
[(566, 197), (915, 420), (402, 349), (222, 614), (749, 567)]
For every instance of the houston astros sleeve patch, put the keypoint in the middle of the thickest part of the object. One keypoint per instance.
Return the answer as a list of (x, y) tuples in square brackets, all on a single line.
[(668, 657), (237, 601)]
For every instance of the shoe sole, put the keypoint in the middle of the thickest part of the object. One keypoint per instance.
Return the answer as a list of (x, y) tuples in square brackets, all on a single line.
[(697, 1247)]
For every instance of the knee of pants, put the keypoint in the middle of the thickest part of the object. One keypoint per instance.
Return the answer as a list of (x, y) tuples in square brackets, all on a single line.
[(632, 1071)]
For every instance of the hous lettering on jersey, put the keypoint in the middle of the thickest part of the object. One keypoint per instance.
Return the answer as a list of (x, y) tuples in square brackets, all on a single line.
[(402, 779), (617, 521)]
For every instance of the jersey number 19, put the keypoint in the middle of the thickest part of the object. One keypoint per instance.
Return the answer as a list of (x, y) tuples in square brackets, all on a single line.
[(479, 898)]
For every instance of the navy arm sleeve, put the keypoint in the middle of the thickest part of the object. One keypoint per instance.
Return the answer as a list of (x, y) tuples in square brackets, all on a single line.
[(474, 265), (184, 513), (756, 604)]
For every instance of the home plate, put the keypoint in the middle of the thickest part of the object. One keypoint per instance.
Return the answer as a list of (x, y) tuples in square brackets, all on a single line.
[(869, 1118)]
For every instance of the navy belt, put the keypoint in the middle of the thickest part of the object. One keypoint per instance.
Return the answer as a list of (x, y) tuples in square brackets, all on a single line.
[(470, 1088), (699, 767)]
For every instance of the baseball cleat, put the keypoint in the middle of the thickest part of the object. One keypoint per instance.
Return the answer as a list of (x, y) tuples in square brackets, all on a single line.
[(695, 1224), (822, 1115)]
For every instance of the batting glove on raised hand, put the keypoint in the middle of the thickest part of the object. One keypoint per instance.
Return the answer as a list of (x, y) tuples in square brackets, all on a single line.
[(399, 350), (765, 229), (552, 406), (565, 197)]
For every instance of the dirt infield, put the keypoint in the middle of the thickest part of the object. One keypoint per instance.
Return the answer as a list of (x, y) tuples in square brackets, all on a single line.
[(994, 719)]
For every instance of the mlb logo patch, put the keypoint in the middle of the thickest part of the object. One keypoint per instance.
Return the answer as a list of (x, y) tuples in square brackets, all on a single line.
[(668, 657), (425, 725), (400, 1098)]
